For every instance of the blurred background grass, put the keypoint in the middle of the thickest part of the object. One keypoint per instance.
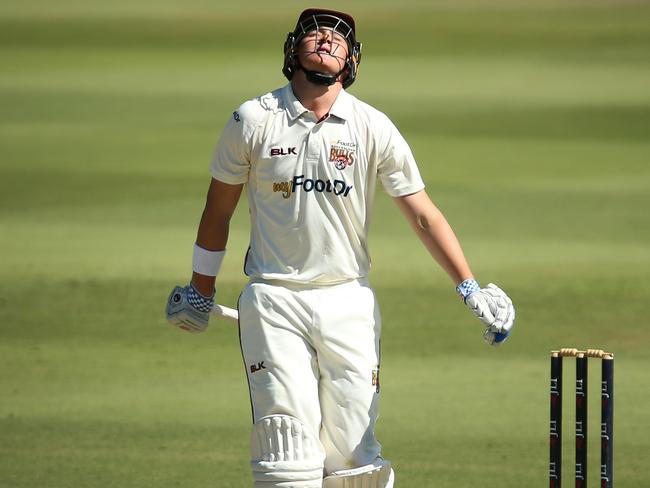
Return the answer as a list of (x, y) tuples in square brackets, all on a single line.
[(531, 124)]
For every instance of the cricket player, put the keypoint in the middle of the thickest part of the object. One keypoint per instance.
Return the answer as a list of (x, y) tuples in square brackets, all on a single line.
[(310, 155)]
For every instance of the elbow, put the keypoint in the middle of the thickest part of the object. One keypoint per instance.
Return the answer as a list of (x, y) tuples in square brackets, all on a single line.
[(429, 218), (423, 222)]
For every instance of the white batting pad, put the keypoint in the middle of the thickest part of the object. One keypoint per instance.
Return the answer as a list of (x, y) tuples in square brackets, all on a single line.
[(285, 453), (376, 475)]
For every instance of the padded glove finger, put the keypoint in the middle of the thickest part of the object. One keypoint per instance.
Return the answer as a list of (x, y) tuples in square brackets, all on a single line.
[(502, 308), (480, 307), (495, 338)]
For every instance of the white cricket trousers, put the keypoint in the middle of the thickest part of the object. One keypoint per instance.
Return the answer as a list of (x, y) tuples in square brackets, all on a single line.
[(312, 353)]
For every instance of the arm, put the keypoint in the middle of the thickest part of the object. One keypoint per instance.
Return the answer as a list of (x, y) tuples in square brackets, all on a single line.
[(214, 226), (436, 234), (491, 305), (189, 307)]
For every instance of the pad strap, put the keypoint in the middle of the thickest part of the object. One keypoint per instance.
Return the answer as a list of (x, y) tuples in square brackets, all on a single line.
[(379, 474)]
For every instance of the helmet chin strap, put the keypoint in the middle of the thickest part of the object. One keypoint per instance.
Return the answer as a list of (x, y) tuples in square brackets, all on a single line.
[(326, 79), (319, 78)]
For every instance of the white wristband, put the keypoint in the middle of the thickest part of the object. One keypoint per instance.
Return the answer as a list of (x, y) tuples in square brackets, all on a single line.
[(207, 262)]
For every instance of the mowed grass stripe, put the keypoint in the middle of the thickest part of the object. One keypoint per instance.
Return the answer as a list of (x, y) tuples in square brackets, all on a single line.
[(530, 123)]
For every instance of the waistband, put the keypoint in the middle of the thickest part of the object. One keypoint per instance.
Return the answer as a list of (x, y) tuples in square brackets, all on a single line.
[(298, 286)]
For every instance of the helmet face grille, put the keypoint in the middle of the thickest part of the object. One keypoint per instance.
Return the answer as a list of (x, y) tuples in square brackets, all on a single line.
[(340, 23), (320, 21)]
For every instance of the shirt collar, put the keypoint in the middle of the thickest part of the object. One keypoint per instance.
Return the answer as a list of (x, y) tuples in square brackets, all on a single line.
[(293, 105), (342, 107)]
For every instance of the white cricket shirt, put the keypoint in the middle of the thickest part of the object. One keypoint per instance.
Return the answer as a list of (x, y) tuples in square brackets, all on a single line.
[(311, 184)]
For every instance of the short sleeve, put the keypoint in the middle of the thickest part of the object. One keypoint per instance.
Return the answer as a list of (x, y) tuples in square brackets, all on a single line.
[(397, 169), (231, 160)]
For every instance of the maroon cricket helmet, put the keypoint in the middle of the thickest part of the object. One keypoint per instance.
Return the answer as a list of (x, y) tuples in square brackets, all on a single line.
[(317, 18)]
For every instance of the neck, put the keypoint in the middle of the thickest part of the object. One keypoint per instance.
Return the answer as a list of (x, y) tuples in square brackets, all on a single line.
[(317, 98)]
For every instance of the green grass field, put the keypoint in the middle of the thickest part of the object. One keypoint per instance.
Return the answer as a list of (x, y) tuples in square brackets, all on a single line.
[(531, 125)]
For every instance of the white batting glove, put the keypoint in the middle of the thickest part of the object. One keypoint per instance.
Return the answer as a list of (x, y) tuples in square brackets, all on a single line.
[(187, 309), (492, 307)]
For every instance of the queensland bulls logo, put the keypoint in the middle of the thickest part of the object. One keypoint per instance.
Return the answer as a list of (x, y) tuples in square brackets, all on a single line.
[(342, 154), (341, 161)]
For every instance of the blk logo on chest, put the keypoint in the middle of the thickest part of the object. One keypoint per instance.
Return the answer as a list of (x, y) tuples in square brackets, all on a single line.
[(257, 367), (282, 151)]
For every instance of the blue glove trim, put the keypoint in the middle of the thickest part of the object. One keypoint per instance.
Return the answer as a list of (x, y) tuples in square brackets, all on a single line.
[(501, 336), (198, 301), (467, 287)]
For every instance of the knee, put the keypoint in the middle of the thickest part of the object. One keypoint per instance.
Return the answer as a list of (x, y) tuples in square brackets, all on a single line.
[(285, 453), (344, 451)]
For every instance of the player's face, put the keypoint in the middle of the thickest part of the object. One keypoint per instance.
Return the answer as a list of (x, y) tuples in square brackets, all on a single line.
[(323, 50)]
